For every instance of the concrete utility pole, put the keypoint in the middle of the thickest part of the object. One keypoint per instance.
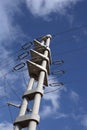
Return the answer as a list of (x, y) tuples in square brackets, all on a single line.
[(38, 68)]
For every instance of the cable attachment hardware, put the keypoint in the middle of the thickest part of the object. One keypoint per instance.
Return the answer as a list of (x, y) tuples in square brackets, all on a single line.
[(17, 106), (19, 66), (56, 84), (23, 55), (58, 62), (27, 45), (60, 72)]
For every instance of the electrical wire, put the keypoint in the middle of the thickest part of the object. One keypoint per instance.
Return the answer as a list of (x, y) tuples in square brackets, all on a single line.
[(24, 79), (51, 91), (69, 30), (23, 51), (71, 51), (11, 63), (7, 100), (66, 31), (25, 69), (3, 106), (57, 87), (10, 114), (62, 53), (17, 52), (14, 92), (76, 68), (65, 52), (20, 66), (60, 33)]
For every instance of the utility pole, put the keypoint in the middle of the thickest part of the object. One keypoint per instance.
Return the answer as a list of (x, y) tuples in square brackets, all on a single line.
[(39, 69)]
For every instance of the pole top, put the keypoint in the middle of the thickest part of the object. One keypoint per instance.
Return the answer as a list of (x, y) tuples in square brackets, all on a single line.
[(49, 36), (46, 37)]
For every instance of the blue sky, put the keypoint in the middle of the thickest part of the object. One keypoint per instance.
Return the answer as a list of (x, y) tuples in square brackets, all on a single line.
[(22, 21)]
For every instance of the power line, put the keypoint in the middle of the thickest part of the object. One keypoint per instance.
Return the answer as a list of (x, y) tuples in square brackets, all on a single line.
[(69, 30), (3, 106), (10, 114), (65, 52), (24, 47), (14, 91), (54, 71), (20, 50), (52, 91), (71, 51), (21, 57), (57, 87), (23, 64)]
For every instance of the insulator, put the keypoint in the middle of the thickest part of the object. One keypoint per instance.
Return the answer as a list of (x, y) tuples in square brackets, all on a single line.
[(18, 106), (19, 66), (56, 84), (58, 62), (26, 45), (12, 104), (58, 72), (23, 55)]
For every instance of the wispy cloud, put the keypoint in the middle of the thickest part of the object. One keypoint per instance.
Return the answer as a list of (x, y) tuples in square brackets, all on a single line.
[(53, 98), (46, 111), (9, 32), (6, 125), (8, 29), (46, 7), (74, 96), (81, 118), (84, 121), (61, 115)]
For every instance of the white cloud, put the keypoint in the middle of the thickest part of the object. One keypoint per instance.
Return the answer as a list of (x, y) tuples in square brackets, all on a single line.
[(53, 107), (47, 111), (8, 78), (61, 115), (84, 121), (45, 7), (8, 30), (74, 96), (53, 98), (6, 125)]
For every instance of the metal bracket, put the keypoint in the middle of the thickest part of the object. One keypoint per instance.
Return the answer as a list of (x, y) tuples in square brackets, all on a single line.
[(24, 120), (34, 71), (38, 58), (31, 93), (41, 48)]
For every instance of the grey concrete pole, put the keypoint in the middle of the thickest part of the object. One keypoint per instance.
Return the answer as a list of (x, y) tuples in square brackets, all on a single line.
[(37, 99), (25, 100), (24, 103)]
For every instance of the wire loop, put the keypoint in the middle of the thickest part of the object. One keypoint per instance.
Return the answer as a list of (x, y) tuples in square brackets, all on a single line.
[(58, 62), (19, 66), (26, 45), (58, 72), (23, 55), (56, 84)]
